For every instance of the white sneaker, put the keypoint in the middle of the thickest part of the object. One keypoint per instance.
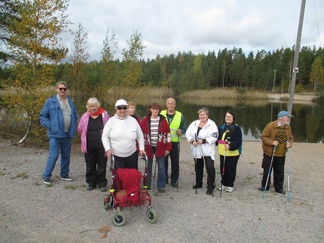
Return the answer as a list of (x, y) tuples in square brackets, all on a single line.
[(229, 189), (66, 178), (221, 188)]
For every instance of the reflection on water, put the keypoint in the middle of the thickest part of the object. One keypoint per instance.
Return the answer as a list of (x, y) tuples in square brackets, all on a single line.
[(307, 123)]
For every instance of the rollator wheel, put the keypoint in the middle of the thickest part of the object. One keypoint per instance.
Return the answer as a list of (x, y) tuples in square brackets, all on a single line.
[(119, 219), (151, 215)]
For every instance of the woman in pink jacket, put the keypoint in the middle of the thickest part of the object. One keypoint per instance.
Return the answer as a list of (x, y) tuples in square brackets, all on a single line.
[(90, 128)]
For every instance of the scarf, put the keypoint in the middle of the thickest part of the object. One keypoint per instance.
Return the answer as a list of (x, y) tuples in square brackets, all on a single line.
[(99, 112)]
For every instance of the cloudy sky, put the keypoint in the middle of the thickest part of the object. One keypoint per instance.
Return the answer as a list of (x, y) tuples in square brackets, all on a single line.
[(172, 26)]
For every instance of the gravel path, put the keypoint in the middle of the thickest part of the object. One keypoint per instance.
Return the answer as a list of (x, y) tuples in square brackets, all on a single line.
[(66, 212)]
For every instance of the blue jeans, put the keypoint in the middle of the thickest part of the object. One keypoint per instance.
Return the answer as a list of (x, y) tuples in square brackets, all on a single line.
[(161, 180), (57, 145)]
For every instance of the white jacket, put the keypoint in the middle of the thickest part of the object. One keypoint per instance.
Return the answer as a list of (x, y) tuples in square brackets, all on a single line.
[(208, 132)]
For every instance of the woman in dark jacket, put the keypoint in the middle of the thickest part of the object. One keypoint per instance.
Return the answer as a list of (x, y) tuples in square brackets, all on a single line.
[(229, 149), (157, 141)]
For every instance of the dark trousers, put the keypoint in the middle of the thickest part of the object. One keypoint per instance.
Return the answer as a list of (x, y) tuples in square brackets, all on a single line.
[(278, 168), (210, 169), (174, 157), (130, 162), (229, 171), (96, 164)]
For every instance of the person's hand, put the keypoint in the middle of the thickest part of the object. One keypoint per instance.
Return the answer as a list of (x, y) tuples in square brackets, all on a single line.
[(275, 143), (179, 132), (108, 152), (142, 153), (227, 146), (166, 152), (288, 144)]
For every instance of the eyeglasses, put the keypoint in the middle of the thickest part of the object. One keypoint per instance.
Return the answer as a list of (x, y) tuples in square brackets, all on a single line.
[(65, 89), (121, 107)]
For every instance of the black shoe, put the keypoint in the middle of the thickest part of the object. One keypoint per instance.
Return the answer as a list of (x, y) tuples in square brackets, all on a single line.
[(161, 190), (261, 189), (103, 189), (90, 188), (174, 183), (209, 191), (280, 191), (196, 186)]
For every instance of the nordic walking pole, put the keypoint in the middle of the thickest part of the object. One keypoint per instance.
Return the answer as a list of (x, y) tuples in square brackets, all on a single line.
[(269, 172), (222, 172), (195, 159), (154, 172), (179, 137), (288, 175)]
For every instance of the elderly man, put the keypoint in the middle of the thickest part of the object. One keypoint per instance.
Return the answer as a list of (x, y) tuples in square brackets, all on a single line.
[(60, 117), (276, 139), (177, 127)]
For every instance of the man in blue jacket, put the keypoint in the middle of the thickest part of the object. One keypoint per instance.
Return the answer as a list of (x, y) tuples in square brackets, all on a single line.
[(60, 117)]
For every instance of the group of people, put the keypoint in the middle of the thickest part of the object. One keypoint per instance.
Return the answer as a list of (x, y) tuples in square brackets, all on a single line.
[(126, 137)]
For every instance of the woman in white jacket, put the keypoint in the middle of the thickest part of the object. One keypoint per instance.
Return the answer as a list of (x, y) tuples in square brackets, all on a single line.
[(202, 134)]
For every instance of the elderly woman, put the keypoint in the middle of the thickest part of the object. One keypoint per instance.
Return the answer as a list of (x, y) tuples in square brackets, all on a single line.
[(229, 149), (90, 128), (202, 135), (120, 135), (157, 140)]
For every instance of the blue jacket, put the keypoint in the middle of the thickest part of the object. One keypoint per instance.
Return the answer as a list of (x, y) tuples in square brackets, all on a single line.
[(51, 117)]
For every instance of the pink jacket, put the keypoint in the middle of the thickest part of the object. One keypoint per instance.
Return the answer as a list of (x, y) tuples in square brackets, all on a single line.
[(83, 128)]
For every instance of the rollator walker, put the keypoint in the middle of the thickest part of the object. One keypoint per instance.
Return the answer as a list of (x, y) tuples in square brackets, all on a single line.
[(128, 189)]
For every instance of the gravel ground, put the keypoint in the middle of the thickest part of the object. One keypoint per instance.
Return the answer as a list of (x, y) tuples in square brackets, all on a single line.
[(66, 212)]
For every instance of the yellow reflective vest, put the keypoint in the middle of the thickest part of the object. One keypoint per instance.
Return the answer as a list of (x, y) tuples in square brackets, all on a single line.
[(175, 124)]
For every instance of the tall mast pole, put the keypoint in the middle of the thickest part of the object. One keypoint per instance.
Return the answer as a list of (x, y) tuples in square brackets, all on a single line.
[(296, 56)]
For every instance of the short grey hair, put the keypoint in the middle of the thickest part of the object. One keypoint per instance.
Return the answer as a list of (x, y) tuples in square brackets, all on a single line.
[(204, 109), (61, 82), (93, 101)]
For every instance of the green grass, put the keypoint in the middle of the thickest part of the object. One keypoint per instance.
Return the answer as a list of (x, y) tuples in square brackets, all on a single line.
[(21, 175)]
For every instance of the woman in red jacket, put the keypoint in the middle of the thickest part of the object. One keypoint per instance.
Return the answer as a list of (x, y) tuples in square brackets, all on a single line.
[(157, 141)]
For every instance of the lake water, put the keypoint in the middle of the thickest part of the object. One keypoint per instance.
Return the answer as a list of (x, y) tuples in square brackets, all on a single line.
[(307, 123)]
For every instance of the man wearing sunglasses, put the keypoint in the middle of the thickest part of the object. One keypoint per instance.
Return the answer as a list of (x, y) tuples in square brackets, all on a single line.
[(60, 117), (119, 137)]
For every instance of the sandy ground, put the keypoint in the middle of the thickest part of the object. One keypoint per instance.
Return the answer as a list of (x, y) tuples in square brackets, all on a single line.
[(66, 212)]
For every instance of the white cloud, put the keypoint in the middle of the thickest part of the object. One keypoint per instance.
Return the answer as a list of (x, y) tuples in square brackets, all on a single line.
[(173, 26)]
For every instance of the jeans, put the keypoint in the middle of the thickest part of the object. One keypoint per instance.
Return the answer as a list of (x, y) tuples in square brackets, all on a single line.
[(57, 145), (161, 180)]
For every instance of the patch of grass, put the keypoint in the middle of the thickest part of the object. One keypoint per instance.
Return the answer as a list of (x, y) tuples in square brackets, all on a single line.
[(71, 187), (21, 175)]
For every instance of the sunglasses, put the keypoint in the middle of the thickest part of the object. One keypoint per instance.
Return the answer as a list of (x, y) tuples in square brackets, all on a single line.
[(121, 107), (65, 89)]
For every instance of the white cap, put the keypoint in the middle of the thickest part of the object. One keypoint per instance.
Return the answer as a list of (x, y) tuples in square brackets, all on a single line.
[(121, 102)]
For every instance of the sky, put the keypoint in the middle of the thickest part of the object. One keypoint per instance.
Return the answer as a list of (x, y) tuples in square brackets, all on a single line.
[(172, 26)]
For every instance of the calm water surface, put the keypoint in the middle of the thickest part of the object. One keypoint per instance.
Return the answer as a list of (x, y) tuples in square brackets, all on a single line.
[(307, 123)]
